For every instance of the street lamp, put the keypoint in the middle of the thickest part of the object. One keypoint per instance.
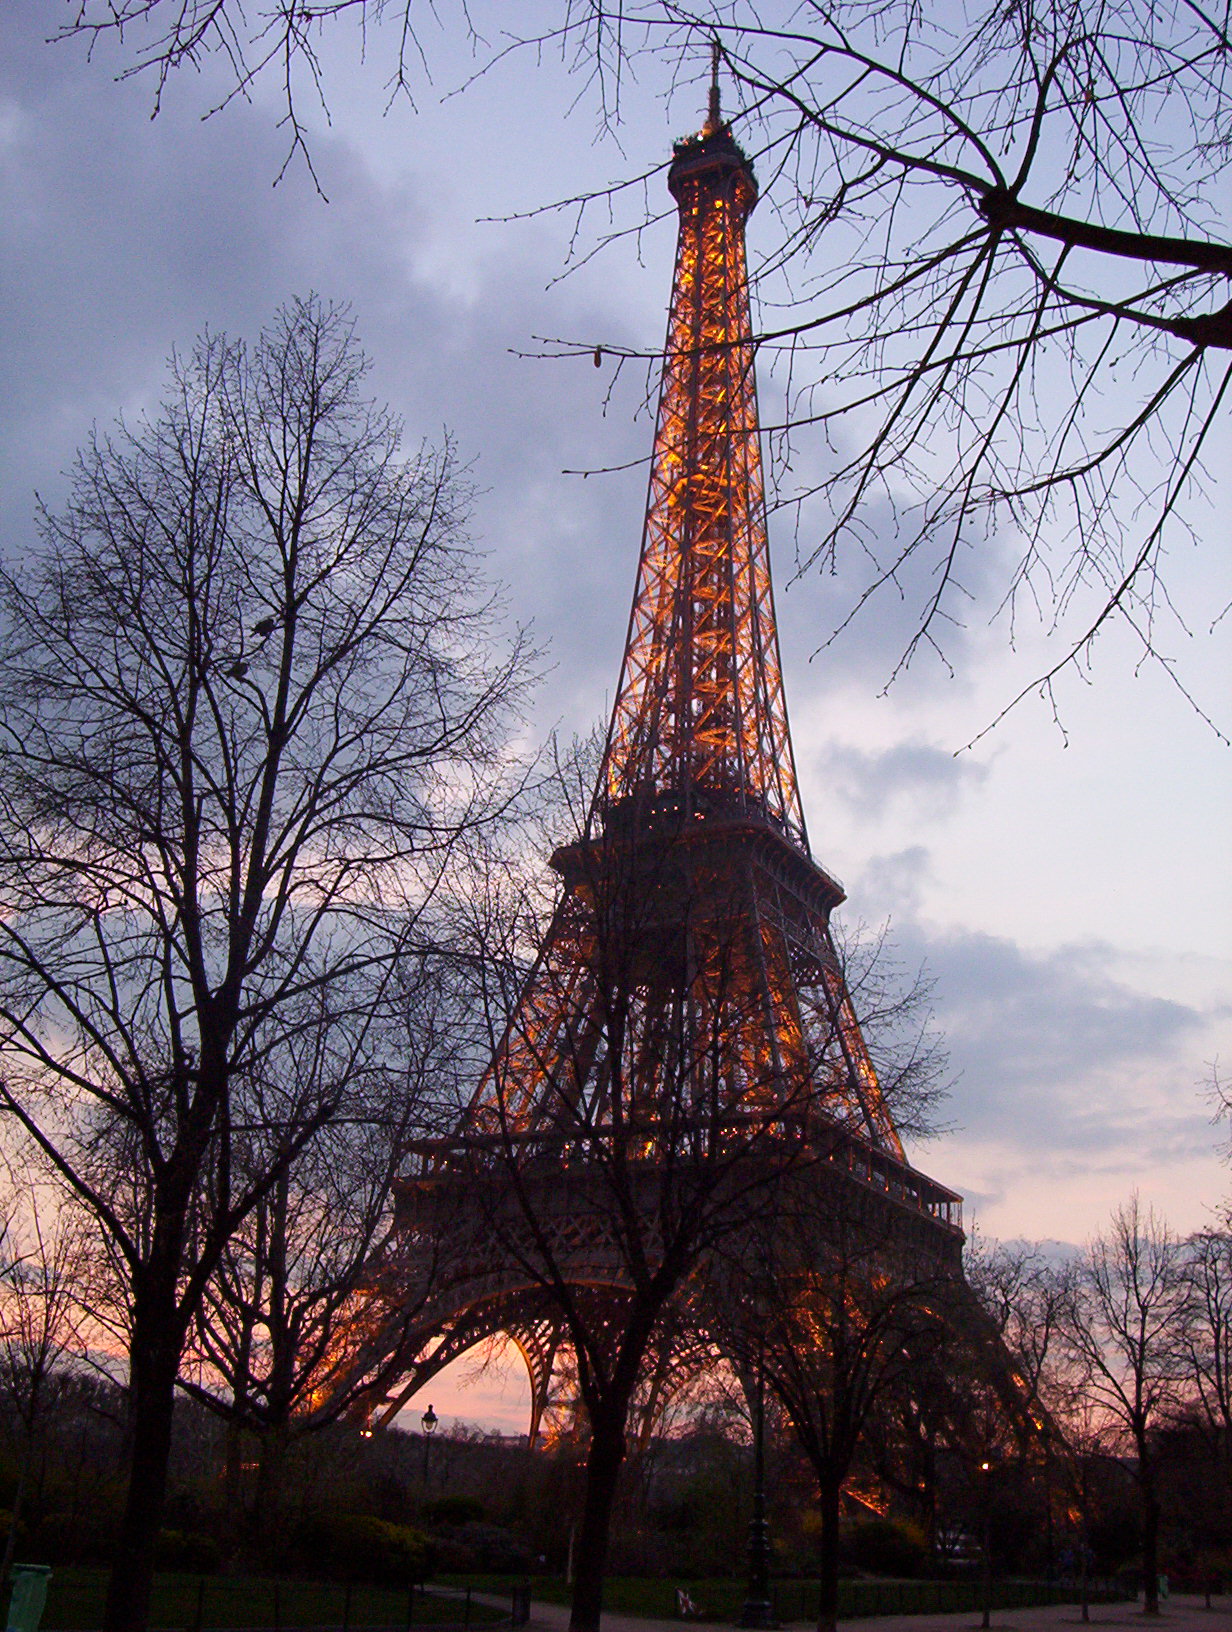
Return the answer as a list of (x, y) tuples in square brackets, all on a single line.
[(1049, 1542), (758, 1610), (985, 1474), (428, 1423)]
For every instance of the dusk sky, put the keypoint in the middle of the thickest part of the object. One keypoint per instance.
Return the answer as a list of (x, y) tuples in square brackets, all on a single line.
[(1069, 890)]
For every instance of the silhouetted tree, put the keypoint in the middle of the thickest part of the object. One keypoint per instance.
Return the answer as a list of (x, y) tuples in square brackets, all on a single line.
[(1206, 1341), (1122, 1326), (42, 1275), (253, 694), (838, 1310), (275, 1335)]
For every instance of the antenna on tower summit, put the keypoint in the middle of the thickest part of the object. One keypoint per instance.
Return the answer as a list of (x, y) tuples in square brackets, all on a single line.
[(716, 117)]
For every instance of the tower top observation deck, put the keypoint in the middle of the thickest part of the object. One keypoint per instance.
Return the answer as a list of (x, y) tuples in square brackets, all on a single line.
[(712, 150)]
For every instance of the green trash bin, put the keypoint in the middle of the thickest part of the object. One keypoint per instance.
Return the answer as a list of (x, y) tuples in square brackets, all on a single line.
[(29, 1596)]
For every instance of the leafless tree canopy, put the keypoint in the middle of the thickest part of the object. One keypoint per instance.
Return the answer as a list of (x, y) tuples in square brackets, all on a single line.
[(999, 278), (1007, 287), (250, 707), (42, 1271), (1122, 1328)]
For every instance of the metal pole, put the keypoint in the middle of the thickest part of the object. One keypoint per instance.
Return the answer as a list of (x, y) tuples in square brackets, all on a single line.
[(1086, 1594), (758, 1610), (986, 1618), (1049, 1544)]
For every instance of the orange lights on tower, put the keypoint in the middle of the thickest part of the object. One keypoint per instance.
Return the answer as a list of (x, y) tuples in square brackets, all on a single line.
[(700, 715)]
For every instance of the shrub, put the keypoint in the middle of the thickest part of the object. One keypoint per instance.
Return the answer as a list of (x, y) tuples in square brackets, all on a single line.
[(353, 1546), (885, 1547), (84, 1538), (496, 1550), (450, 1510)]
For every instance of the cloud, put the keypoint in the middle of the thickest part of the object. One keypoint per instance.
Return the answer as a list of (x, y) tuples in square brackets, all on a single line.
[(1073, 1087), (124, 238), (892, 885), (1055, 1054), (927, 779)]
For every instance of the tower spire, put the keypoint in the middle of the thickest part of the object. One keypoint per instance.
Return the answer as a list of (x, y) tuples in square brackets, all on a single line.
[(715, 118), (685, 1037)]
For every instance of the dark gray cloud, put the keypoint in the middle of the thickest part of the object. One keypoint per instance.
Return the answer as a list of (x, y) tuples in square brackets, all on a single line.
[(123, 238)]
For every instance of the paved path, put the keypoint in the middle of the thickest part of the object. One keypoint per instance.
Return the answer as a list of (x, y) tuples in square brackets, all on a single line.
[(1179, 1614)]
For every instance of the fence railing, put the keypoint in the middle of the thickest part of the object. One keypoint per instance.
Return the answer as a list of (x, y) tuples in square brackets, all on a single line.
[(185, 1603), (800, 1600)]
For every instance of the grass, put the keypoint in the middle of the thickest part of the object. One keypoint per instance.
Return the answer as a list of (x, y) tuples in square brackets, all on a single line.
[(203, 1603)]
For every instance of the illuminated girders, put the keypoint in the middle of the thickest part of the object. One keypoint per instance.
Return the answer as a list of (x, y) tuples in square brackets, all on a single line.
[(718, 997), (700, 712), (687, 1001), (698, 746)]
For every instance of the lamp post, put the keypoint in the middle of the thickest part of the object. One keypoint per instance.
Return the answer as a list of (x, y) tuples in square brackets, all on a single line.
[(1083, 1498), (428, 1423), (1049, 1543), (758, 1611), (985, 1476)]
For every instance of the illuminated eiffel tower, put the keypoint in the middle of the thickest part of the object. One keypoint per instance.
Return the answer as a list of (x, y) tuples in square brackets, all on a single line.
[(688, 979)]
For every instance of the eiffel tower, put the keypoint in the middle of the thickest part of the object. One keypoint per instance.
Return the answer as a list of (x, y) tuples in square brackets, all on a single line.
[(689, 979)]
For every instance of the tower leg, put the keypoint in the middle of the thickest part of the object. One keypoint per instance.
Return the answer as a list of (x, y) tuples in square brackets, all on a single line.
[(537, 1346)]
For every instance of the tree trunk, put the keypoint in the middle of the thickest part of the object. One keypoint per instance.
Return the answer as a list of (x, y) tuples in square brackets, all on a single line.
[(272, 1445), (827, 1562), (18, 1501), (236, 1519), (607, 1452), (154, 1364), (1150, 1546)]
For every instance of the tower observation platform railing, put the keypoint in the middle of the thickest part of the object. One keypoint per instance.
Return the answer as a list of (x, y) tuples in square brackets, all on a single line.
[(808, 1137)]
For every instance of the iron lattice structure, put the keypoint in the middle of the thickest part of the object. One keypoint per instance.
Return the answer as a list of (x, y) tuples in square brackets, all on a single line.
[(696, 830), (700, 711), (687, 1004)]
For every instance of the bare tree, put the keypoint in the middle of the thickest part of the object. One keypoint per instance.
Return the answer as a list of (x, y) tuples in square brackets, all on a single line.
[(654, 1085), (40, 1284), (1001, 251), (1121, 1328), (650, 1120), (836, 1310), (1026, 1298), (252, 692), (1006, 287), (290, 1300), (1206, 1339)]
